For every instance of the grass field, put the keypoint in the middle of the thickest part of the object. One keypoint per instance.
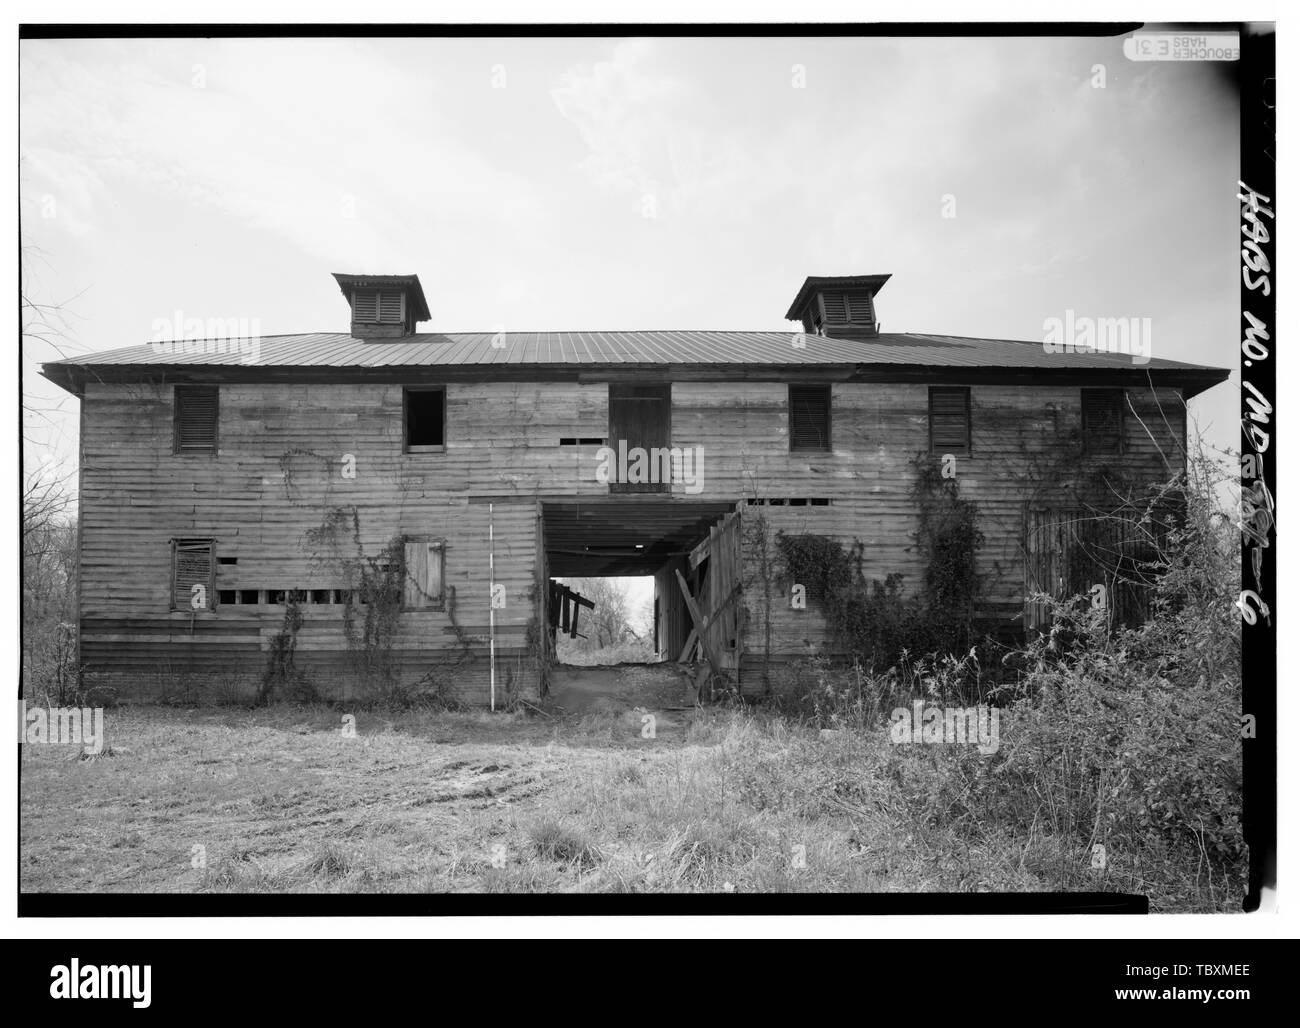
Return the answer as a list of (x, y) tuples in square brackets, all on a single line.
[(280, 800)]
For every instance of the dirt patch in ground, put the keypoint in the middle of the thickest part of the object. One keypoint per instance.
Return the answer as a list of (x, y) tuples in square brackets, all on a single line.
[(617, 688)]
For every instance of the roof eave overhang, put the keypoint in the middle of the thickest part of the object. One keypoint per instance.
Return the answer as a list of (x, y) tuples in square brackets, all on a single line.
[(1192, 381), (347, 283), (814, 282)]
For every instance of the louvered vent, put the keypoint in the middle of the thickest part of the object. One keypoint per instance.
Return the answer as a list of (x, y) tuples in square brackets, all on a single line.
[(1103, 420), (810, 418), (950, 420), (860, 307), (196, 419), (377, 307), (365, 305), (390, 308), (192, 566), (835, 308)]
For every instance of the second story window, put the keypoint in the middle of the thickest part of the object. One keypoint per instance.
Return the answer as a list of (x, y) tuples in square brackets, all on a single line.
[(810, 418), (195, 420), (424, 419), (950, 420), (1103, 420), (640, 427)]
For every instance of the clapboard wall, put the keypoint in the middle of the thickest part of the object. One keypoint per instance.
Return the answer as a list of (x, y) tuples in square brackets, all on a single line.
[(1026, 454), (279, 471)]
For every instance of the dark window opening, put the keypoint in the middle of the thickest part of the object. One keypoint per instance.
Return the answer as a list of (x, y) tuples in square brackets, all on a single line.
[(320, 596), (425, 420), (227, 561), (226, 596), (810, 418), (1103, 420), (581, 441), (950, 420), (248, 596), (195, 425)]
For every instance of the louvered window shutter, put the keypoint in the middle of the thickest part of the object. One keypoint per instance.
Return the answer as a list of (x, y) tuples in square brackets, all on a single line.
[(859, 308), (950, 420), (192, 567), (365, 305), (836, 309), (390, 308), (810, 418), (196, 419), (1103, 420)]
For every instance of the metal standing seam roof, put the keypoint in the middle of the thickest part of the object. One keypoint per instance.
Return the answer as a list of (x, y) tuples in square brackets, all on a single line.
[(428, 349)]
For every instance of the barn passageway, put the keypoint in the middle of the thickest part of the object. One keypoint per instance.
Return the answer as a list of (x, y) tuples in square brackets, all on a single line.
[(687, 546)]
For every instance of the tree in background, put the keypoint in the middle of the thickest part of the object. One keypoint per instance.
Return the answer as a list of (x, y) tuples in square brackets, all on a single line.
[(610, 630), (49, 590), (49, 511)]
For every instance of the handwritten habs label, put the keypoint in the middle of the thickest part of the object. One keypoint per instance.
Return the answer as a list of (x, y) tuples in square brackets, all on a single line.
[(1257, 520)]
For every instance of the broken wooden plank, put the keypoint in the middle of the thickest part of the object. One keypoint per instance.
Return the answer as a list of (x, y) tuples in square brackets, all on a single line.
[(700, 625), (690, 645)]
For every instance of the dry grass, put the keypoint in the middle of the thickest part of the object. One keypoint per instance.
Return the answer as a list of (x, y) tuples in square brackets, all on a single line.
[(279, 800)]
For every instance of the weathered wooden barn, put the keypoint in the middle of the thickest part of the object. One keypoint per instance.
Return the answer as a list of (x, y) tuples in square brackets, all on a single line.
[(246, 502)]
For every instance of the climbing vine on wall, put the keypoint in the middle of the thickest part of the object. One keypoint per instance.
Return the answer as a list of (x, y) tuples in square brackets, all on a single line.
[(948, 539), (872, 620), (372, 607), (876, 621), (281, 678), (372, 596), (758, 581)]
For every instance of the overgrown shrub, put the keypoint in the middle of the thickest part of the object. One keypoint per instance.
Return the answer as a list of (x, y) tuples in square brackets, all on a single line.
[(282, 679), (1125, 738), (948, 538)]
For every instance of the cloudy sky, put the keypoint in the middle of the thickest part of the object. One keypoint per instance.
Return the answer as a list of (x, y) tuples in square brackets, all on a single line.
[(543, 184)]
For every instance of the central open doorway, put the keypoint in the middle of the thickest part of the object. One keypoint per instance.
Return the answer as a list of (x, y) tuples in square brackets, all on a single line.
[(688, 549)]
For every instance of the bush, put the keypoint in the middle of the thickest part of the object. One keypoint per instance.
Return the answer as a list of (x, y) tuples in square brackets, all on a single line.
[(1125, 751), (1122, 737)]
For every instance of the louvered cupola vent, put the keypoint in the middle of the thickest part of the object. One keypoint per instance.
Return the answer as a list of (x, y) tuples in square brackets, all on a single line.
[(384, 306), (843, 307)]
